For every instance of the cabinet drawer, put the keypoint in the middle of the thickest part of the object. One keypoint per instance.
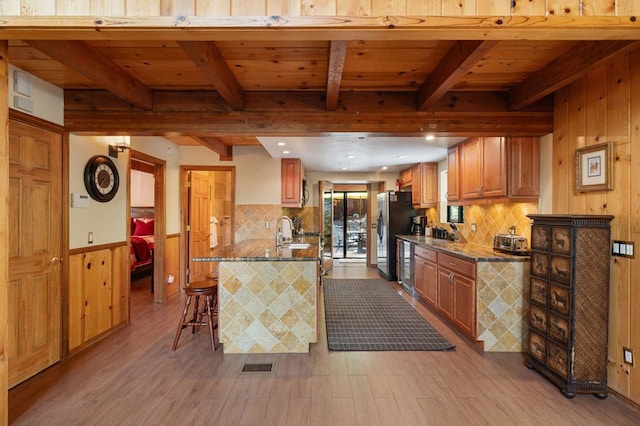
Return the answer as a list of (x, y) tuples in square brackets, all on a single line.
[(425, 253), (462, 267)]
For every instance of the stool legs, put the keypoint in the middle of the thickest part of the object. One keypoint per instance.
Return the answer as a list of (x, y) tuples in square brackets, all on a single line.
[(210, 306)]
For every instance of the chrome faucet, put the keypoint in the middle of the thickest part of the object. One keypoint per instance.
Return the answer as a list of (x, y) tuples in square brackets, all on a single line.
[(283, 235)]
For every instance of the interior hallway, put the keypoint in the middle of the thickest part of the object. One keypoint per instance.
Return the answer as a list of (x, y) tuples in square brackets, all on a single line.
[(132, 377)]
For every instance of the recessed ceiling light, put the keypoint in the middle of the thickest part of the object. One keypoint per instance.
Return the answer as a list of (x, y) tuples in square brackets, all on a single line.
[(384, 167), (351, 156), (430, 137), (344, 168), (286, 152), (401, 156), (281, 143)]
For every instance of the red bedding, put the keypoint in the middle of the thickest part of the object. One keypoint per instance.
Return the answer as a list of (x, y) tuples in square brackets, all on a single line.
[(141, 251)]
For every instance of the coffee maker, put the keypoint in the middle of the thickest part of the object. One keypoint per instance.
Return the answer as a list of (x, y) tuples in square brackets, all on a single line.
[(417, 225)]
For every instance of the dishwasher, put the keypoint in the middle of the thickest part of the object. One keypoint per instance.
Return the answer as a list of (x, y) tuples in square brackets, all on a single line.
[(405, 274)]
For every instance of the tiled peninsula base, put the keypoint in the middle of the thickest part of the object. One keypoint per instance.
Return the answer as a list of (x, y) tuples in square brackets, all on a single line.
[(267, 306), (502, 305)]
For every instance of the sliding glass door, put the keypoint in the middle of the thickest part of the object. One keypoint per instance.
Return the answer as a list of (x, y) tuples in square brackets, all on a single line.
[(350, 224)]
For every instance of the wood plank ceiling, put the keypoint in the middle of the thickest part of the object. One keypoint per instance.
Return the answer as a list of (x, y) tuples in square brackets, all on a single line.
[(226, 92)]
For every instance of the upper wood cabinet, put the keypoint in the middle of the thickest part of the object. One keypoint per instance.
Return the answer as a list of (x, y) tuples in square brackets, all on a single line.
[(524, 167), (497, 169), (406, 178), (483, 168), (292, 176), (423, 181), (453, 172)]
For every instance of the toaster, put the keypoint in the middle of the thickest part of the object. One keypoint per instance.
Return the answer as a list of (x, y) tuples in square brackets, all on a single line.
[(512, 244)]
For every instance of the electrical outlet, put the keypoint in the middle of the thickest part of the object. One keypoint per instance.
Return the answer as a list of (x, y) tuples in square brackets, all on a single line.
[(474, 227), (628, 356), (90, 238), (266, 224)]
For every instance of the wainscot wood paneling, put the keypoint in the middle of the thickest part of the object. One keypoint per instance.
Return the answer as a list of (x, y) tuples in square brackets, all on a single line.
[(172, 264), (98, 293), (595, 109)]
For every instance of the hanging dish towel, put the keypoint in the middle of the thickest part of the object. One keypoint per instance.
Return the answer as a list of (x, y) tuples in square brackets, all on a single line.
[(213, 226)]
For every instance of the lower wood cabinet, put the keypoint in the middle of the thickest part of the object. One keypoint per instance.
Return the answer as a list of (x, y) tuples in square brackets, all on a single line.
[(425, 274), (457, 282), (448, 283)]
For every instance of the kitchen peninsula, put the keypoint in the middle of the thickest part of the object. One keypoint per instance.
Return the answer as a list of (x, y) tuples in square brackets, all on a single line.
[(484, 294), (267, 295)]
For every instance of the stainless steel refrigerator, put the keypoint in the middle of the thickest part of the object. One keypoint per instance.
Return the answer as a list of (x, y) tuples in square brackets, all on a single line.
[(394, 218)]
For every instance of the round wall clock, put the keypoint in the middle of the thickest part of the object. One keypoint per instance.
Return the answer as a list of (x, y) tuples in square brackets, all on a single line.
[(101, 178)]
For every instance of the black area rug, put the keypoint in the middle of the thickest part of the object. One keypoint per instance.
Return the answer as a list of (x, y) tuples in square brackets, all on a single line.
[(368, 315)]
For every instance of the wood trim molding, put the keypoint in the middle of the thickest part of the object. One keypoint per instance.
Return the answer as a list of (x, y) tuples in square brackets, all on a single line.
[(34, 121), (80, 250), (274, 27)]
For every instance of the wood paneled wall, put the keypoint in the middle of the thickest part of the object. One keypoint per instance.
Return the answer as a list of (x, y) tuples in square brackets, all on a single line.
[(604, 106), (98, 293), (318, 7), (172, 264)]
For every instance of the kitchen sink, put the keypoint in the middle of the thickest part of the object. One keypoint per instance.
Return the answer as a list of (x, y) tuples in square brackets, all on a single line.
[(299, 245)]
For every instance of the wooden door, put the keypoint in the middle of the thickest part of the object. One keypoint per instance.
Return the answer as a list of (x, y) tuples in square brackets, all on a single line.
[(35, 238), (419, 278), (430, 274), (416, 185), (494, 170), (445, 292), (429, 184), (453, 173), (326, 223), (199, 223), (464, 313), (471, 169)]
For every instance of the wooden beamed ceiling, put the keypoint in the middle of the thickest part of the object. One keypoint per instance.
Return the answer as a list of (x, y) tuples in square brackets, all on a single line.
[(224, 93)]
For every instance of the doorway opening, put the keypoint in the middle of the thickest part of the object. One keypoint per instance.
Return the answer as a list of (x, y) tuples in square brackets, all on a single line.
[(350, 218), (207, 212), (151, 219), (142, 224)]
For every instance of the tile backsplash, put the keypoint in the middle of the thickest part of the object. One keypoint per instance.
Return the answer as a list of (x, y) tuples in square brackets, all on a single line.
[(251, 218), (490, 219)]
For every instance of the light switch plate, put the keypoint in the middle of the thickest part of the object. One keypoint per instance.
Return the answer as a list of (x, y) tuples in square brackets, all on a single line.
[(628, 356)]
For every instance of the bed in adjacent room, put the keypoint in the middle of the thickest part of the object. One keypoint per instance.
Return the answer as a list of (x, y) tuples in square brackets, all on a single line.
[(142, 242)]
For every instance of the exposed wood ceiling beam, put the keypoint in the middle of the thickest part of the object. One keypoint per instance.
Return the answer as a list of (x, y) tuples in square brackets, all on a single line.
[(217, 145), (458, 61), (207, 57), (95, 66), (295, 113), (273, 27), (566, 69), (337, 53)]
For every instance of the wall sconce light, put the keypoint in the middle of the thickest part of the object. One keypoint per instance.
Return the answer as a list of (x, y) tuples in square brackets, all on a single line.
[(120, 144)]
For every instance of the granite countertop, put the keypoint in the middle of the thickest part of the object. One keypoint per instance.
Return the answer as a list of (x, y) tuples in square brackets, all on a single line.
[(264, 250), (472, 252)]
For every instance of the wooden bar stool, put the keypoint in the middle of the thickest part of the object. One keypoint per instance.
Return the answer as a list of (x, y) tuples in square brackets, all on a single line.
[(203, 316)]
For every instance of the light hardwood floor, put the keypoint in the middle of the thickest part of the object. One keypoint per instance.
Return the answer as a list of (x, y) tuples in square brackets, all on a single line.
[(133, 377)]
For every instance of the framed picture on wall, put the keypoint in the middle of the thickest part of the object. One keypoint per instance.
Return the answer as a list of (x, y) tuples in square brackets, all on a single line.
[(594, 168)]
